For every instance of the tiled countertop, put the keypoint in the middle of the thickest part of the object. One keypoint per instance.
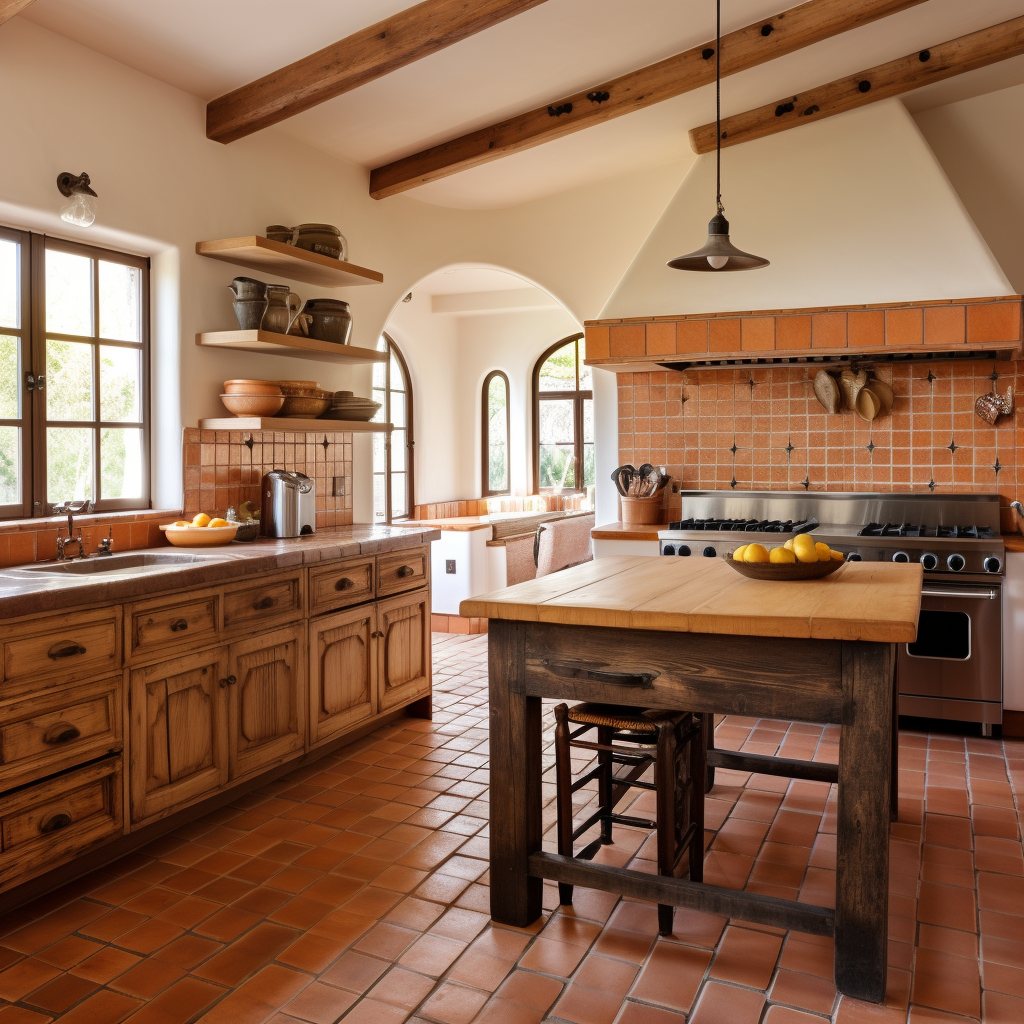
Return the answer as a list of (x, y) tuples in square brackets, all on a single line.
[(27, 591)]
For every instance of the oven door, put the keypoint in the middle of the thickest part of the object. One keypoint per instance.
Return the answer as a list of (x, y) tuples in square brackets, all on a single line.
[(957, 655)]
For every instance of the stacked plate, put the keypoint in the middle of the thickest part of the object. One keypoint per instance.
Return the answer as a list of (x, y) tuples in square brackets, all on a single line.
[(346, 406)]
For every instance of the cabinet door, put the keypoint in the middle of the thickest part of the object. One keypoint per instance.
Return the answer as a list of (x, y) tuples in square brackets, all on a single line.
[(343, 672), (266, 699), (404, 624), (178, 732)]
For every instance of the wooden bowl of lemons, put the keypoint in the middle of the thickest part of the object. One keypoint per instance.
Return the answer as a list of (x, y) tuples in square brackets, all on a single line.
[(202, 532), (800, 558)]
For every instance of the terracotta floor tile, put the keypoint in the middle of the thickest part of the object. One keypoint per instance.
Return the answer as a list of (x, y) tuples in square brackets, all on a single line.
[(672, 976), (803, 990), (355, 972), (386, 940), (105, 965), (786, 1015), (319, 1003), (432, 954), (227, 924), (149, 936), (1002, 1009), (148, 978), (583, 1005), (948, 906), (746, 957), (948, 940), (183, 1001), (262, 995), (719, 1003), (24, 977), (372, 1011), (68, 952), (312, 952), (21, 1015), (247, 955), (455, 1004), (1000, 978), (189, 951), (105, 1007), (640, 1013), (61, 993), (400, 987), (946, 982)]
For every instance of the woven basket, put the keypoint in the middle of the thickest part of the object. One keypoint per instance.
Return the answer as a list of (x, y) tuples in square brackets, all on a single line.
[(641, 511)]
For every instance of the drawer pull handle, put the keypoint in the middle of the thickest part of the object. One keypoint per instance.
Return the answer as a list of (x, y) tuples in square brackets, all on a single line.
[(405, 570), (178, 625), (377, 634), (227, 681), (263, 604), (62, 732), (596, 675), (58, 651), (344, 584), (55, 823)]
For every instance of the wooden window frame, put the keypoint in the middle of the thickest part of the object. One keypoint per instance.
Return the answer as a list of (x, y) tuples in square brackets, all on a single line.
[(410, 445), (33, 332), (485, 439), (577, 397)]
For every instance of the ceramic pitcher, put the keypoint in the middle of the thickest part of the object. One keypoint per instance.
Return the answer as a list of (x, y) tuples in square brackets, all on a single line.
[(282, 305)]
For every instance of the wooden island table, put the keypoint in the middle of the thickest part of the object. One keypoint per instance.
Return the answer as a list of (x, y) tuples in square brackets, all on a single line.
[(693, 634)]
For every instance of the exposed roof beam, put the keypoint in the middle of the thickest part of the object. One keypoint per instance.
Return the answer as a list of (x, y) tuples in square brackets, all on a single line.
[(9, 8), (745, 48), (944, 60), (361, 57)]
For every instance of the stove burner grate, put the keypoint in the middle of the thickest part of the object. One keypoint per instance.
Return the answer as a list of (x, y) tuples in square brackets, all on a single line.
[(745, 525), (917, 530)]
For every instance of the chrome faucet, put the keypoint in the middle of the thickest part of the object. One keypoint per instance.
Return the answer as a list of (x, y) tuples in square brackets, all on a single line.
[(70, 508)]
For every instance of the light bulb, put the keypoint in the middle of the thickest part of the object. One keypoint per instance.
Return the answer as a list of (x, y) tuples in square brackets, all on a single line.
[(80, 209), (717, 262)]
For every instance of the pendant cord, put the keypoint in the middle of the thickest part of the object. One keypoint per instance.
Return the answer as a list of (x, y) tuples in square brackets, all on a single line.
[(718, 104)]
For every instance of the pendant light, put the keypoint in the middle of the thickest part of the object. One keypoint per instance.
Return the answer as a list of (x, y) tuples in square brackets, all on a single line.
[(718, 253)]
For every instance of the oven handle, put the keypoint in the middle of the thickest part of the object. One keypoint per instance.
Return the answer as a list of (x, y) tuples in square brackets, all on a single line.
[(980, 595)]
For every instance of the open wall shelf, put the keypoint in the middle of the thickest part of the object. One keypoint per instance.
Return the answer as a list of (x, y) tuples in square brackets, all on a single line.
[(293, 424), (279, 259), (289, 345)]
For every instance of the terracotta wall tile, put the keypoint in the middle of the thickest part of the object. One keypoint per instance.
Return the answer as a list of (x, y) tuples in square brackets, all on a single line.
[(626, 340), (993, 321), (725, 335), (692, 336), (596, 342), (792, 332), (904, 327), (757, 333), (866, 328), (944, 325), (828, 330), (661, 338)]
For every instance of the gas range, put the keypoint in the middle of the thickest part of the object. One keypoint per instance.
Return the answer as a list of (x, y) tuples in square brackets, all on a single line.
[(947, 534)]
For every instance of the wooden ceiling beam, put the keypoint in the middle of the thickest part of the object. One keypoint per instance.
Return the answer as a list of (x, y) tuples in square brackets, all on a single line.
[(745, 48), (944, 60), (9, 8), (355, 60)]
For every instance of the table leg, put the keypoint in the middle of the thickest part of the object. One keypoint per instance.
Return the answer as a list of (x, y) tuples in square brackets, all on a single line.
[(862, 841), (515, 744), (894, 767)]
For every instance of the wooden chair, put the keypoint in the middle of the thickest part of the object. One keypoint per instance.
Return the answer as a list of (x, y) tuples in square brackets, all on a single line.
[(674, 744)]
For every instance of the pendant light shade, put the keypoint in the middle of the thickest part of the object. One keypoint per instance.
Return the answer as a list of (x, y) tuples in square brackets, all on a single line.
[(718, 254)]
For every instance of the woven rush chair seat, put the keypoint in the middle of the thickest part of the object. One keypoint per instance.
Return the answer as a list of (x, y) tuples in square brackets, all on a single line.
[(635, 741)]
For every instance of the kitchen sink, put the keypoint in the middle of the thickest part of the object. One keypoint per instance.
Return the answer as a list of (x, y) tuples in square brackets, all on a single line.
[(129, 564)]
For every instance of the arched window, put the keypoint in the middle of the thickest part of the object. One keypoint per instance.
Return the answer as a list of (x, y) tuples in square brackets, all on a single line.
[(563, 419), (392, 453), (495, 434)]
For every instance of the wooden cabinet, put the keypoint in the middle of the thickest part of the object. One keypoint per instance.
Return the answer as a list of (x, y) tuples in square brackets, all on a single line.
[(399, 571), (178, 735), (341, 585), (266, 700), (342, 672), (404, 636), (264, 602), (185, 619)]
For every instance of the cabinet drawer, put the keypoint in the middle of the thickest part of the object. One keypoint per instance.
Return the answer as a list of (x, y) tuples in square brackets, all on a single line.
[(47, 733), (52, 821), (179, 620), (341, 585), (73, 648), (403, 570), (263, 601)]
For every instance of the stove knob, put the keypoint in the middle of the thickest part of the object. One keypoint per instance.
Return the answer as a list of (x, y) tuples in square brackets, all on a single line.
[(683, 549), (955, 562), (853, 556), (900, 556), (929, 561), (668, 549), (709, 552), (992, 564)]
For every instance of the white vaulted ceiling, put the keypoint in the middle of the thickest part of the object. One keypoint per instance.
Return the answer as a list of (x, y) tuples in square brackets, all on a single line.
[(207, 47)]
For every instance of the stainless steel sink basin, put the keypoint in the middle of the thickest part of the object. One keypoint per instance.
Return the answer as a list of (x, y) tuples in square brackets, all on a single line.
[(135, 563)]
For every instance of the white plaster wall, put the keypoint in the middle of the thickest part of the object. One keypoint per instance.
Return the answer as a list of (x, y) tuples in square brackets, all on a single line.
[(163, 186)]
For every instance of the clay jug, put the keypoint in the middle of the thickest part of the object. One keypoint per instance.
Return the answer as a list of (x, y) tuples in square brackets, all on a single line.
[(282, 305)]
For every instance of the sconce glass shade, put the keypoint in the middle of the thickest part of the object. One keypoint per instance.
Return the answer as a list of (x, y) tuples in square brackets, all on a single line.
[(718, 253), (80, 209)]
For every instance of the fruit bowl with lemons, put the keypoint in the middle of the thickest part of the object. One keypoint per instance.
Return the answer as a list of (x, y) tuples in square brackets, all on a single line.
[(800, 558), (202, 532)]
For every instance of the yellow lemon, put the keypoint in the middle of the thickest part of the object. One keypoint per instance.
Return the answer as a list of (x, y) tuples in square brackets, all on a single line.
[(837, 556), (755, 553), (781, 556), (201, 519), (824, 551), (737, 555), (182, 522), (804, 548), (218, 522), (789, 544)]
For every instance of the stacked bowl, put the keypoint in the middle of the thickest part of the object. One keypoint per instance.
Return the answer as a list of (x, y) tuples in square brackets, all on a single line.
[(252, 397), (346, 406), (303, 398)]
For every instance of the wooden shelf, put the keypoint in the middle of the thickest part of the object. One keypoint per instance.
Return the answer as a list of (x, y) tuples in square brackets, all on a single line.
[(293, 424), (289, 345), (282, 260)]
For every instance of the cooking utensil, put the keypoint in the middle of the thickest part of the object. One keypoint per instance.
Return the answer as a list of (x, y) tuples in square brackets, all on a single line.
[(826, 390), (642, 474), (623, 479)]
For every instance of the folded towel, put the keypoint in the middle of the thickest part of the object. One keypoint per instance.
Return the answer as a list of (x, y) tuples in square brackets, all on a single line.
[(563, 543)]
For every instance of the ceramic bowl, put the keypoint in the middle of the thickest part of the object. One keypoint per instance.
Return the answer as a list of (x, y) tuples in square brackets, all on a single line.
[(199, 536), (362, 414), (786, 571), (307, 407), (251, 387), (253, 405)]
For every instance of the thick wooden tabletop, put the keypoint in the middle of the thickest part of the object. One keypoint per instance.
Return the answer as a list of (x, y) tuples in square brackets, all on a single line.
[(861, 601)]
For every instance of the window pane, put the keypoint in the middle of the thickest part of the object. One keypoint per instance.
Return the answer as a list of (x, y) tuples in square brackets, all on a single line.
[(559, 370), (121, 463), (120, 302), (379, 375), (68, 293), (10, 377), (398, 450), (556, 422), (589, 465), (379, 395), (556, 466), (120, 386), (380, 455), (497, 435), (397, 377), (586, 381), (398, 506), (10, 465), (68, 464), (68, 380), (588, 420), (379, 509), (10, 283), (398, 409)]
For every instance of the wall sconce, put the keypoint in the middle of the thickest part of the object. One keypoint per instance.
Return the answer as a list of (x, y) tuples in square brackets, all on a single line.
[(80, 208)]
